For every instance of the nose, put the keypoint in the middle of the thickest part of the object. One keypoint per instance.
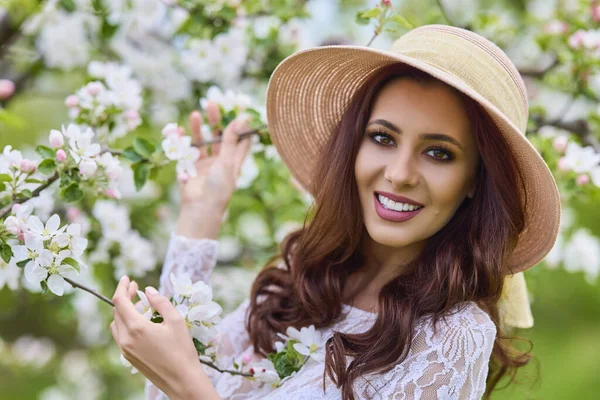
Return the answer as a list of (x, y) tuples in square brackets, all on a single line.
[(402, 170)]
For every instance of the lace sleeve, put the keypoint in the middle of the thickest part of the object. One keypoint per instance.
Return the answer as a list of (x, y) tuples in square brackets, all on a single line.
[(198, 258), (450, 364)]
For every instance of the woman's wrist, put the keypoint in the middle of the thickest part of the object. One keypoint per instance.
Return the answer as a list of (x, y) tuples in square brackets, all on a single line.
[(201, 221), (195, 385)]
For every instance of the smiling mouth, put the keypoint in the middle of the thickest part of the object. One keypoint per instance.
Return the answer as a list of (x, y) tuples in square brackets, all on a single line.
[(411, 207)]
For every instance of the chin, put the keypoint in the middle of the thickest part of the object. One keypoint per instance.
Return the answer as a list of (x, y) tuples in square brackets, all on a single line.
[(393, 238)]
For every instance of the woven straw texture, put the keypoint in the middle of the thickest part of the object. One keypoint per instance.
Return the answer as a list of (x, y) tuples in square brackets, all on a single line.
[(309, 91)]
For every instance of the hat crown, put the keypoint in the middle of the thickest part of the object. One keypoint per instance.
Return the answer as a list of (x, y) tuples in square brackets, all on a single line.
[(474, 60)]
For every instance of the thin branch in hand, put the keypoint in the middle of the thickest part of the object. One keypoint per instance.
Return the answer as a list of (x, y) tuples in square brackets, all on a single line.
[(87, 289), (225, 370), (220, 137)]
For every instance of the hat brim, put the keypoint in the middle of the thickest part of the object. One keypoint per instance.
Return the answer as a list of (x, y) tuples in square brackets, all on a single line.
[(309, 91)]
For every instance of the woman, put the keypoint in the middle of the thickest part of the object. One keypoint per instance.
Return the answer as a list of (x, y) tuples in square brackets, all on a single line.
[(428, 198)]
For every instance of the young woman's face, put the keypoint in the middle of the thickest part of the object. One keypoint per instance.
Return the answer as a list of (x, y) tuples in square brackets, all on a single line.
[(417, 144)]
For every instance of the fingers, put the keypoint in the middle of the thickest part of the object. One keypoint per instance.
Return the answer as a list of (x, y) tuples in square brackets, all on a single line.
[(163, 305), (124, 307), (133, 288), (230, 140), (196, 128)]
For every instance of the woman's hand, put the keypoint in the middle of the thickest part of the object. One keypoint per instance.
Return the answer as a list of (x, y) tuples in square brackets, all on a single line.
[(217, 173), (164, 353)]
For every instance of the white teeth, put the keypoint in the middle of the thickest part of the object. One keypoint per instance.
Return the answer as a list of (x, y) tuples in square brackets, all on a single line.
[(393, 205)]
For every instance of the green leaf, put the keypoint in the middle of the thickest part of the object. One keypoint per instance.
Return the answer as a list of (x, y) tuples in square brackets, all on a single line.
[(399, 19), (5, 252), (235, 365), (360, 20), (372, 13), (44, 286), (31, 180), (130, 154), (143, 147), (47, 166), (157, 319), (45, 151), (140, 174), (22, 264), (72, 193), (26, 193), (72, 262), (5, 178)]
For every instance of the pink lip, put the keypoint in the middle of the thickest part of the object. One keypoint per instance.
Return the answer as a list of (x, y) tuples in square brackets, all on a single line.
[(391, 215)]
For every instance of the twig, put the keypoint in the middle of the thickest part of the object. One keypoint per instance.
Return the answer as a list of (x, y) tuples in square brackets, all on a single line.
[(225, 370), (87, 289), (6, 209), (220, 137)]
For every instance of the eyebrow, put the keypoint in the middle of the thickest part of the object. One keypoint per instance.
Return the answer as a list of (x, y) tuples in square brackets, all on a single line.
[(426, 136)]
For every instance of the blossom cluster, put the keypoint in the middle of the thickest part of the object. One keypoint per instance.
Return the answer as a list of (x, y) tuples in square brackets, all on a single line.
[(583, 161), (76, 147), (111, 103), (48, 252)]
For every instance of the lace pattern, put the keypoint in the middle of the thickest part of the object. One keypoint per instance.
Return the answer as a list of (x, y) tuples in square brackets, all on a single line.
[(450, 362)]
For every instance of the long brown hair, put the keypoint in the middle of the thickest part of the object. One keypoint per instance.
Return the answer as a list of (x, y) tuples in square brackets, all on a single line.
[(464, 261)]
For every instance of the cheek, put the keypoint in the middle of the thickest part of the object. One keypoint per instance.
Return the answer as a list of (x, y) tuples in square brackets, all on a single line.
[(447, 188)]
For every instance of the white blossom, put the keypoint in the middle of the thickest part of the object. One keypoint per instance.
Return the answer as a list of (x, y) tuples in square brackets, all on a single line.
[(310, 341), (9, 274), (582, 253)]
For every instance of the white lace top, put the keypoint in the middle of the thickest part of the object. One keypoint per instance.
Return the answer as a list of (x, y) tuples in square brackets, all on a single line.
[(453, 364)]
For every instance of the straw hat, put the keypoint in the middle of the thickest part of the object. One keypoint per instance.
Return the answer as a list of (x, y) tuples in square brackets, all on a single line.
[(309, 91)]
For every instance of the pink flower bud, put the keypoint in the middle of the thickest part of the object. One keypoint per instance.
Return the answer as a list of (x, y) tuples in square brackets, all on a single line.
[(61, 155), (583, 179), (27, 166), (22, 236), (246, 358), (213, 114), (386, 3), (94, 88), (72, 213), (563, 164), (56, 139), (72, 101), (560, 143), (7, 88), (183, 177)]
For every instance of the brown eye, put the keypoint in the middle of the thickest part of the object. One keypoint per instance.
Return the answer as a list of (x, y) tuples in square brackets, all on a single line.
[(441, 154), (381, 138)]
